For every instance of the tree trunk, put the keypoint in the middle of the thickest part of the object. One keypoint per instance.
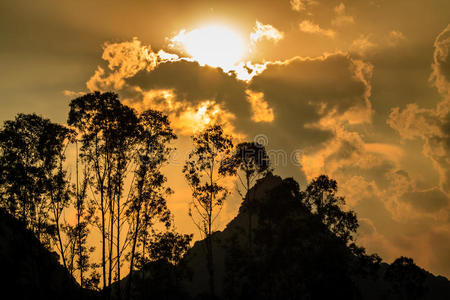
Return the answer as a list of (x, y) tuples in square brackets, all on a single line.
[(133, 251), (60, 244), (111, 239), (210, 257), (118, 246), (102, 207), (78, 229), (144, 286), (210, 265), (110, 196), (249, 212)]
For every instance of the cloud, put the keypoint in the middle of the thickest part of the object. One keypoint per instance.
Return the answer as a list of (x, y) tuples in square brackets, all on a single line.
[(431, 125), (265, 32), (125, 60), (362, 44), (310, 27), (147, 79), (283, 100), (428, 125), (430, 200), (186, 118), (333, 83), (301, 5), (194, 83), (214, 45), (441, 65), (73, 93), (312, 99), (368, 43), (395, 37), (261, 112), (296, 89), (415, 122), (341, 18), (306, 90), (392, 152)]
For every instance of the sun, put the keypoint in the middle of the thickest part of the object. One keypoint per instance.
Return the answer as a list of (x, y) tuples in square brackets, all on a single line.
[(214, 45)]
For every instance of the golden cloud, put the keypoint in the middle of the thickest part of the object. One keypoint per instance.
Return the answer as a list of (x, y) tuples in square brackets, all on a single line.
[(362, 44), (125, 60), (301, 5), (431, 125), (341, 18), (260, 108), (265, 32), (394, 37), (310, 27), (186, 118)]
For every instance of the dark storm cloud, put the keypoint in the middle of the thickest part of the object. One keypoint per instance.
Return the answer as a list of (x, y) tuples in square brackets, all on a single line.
[(302, 91), (330, 80), (194, 83), (299, 91)]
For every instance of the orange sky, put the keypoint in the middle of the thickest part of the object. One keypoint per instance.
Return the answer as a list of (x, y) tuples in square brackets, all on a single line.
[(359, 90)]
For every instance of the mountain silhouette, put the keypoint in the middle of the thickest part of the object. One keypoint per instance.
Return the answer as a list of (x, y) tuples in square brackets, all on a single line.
[(295, 257)]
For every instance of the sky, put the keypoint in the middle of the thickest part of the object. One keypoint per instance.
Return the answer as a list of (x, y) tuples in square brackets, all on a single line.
[(358, 90)]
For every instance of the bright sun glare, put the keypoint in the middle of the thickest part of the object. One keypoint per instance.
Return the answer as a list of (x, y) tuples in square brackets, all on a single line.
[(213, 45)]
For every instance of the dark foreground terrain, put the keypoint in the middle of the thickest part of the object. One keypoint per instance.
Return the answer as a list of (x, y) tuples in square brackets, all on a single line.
[(292, 254)]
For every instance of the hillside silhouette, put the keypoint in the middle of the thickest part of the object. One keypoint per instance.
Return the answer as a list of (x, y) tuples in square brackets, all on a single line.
[(29, 270), (296, 257)]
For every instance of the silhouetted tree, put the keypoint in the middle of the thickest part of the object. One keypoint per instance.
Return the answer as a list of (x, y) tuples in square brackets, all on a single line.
[(33, 183), (321, 199), (211, 147), (58, 188), (169, 246), (148, 195), (364, 265), (248, 162), (162, 268), (295, 255), (406, 279), (107, 130), (78, 233)]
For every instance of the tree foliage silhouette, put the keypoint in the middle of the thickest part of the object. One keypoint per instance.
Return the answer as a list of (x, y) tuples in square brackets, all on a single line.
[(406, 278), (163, 269), (321, 199), (296, 254), (33, 183), (119, 149), (79, 251), (202, 172), (106, 128), (248, 162), (148, 194)]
